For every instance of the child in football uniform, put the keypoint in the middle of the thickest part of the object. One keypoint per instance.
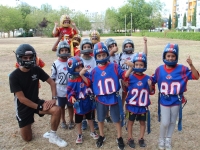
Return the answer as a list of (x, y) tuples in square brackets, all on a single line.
[(128, 54), (89, 62), (60, 75), (80, 94), (172, 81), (105, 83), (66, 30), (137, 100)]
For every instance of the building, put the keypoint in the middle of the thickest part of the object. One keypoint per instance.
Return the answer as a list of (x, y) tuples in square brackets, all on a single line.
[(187, 7)]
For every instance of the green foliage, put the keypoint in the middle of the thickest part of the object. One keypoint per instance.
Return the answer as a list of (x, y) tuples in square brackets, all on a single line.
[(184, 20), (169, 22), (172, 35), (194, 16), (115, 34)]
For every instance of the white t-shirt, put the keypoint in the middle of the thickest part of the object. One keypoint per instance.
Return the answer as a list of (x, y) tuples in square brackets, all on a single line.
[(124, 56), (89, 63), (115, 58)]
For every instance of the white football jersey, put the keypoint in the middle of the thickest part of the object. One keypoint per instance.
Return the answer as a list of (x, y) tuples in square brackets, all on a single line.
[(60, 75), (115, 58), (90, 64), (123, 57)]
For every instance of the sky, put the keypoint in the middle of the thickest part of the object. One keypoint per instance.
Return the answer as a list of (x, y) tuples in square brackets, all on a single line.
[(82, 5)]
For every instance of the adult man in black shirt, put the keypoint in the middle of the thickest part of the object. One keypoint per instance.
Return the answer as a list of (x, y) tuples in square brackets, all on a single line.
[(24, 84)]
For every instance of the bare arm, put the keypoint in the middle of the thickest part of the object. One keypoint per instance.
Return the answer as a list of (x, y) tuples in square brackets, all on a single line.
[(130, 69), (193, 69), (74, 27), (54, 48), (53, 86), (81, 73), (54, 29), (145, 45)]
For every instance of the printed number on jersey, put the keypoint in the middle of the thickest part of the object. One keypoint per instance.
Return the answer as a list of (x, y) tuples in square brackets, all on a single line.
[(140, 97), (109, 86), (172, 88), (63, 78)]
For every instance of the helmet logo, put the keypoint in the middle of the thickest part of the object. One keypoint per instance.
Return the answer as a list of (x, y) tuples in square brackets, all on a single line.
[(140, 58), (28, 53), (170, 49), (70, 63)]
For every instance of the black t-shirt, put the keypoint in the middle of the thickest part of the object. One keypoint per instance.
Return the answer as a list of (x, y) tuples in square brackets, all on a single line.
[(27, 82)]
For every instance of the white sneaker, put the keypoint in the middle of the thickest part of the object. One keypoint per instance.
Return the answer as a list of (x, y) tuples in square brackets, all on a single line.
[(55, 139), (94, 135), (161, 144), (168, 145), (46, 135), (79, 139)]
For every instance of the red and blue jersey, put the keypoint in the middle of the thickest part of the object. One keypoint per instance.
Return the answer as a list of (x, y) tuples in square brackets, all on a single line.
[(172, 83), (80, 91), (138, 93), (105, 80)]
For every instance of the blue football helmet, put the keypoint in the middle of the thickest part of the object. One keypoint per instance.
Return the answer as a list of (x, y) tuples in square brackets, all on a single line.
[(172, 48), (26, 50), (83, 42), (140, 57), (127, 41), (72, 63), (63, 44), (110, 41), (100, 47)]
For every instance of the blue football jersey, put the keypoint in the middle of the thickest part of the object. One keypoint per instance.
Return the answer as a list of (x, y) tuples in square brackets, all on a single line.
[(138, 94), (172, 83), (105, 82), (80, 91)]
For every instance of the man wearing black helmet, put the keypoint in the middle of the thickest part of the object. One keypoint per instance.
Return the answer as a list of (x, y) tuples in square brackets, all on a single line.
[(24, 85)]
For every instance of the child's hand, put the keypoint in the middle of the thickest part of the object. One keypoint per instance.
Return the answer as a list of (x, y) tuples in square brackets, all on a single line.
[(129, 63), (73, 100), (73, 24), (145, 39), (56, 24), (149, 82), (83, 71), (189, 61)]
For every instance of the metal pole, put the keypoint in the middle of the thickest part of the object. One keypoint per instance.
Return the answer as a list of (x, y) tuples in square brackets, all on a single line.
[(131, 25), (125, 25)]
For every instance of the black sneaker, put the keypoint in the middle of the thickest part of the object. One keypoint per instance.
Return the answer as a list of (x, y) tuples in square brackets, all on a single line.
[(142, 143), (100, 141), (131, 143), (120, 143), (108, 120)]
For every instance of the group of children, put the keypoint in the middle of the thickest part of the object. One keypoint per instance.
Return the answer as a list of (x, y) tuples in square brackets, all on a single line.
[(90, 77)]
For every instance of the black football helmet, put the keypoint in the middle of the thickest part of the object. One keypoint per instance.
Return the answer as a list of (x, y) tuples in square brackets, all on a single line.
[(26, 50)]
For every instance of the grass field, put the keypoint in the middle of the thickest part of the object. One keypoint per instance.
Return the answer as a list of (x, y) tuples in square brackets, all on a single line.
[(188, 139)]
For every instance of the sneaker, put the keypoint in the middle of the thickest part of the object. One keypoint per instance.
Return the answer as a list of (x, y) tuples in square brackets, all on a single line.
[(55, 139), (71, 125), (100, 141), (161, 144), (121, 144), (63, 125), (131, 143), (94, 135), (84, 124), (142, 143), (79, 139), (96, 127), (168, 145), (46, 135), (108, 120)]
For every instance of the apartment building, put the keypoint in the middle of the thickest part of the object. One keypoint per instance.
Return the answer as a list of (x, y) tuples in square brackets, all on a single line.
[(187, 7)]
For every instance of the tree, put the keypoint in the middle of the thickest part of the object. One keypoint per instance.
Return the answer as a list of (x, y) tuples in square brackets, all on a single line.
[(176, 20), (184, 20), (194, 16), (46, 8), (10, 19), (169, 22)]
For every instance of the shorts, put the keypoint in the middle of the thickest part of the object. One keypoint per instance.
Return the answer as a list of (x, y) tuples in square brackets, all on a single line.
[(102, 111), (79, 118), (62, 101), (30, 118), (137, 117)]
